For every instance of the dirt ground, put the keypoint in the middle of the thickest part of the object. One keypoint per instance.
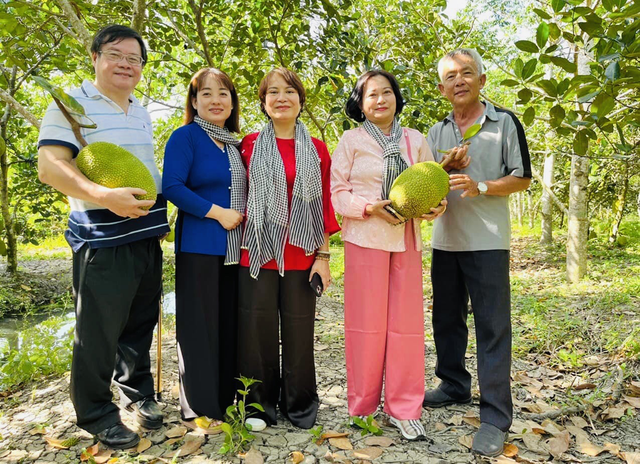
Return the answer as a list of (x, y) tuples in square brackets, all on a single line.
[(557, 418)]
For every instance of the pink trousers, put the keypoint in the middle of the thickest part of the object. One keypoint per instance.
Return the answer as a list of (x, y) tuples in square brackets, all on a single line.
[(384, 329)]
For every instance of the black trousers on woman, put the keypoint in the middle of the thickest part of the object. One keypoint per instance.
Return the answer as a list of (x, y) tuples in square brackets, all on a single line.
[(267, 306), (206, 329)]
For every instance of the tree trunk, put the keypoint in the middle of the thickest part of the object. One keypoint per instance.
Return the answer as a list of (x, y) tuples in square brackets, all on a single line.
[(619, 206), (578, 222), (520, 207), (7, 219), (547, 202), (531, 207)]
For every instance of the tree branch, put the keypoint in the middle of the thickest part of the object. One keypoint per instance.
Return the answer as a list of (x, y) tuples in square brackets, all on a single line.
[(81, 32), (547, 189), (19, 108), (197, 11), (138, 17)]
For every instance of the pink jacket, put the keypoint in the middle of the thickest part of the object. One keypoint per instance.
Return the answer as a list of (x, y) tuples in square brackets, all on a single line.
[(356, 181)]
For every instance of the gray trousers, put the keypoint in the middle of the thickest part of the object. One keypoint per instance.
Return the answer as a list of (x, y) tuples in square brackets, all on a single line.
[(117, 294), (482, 276)]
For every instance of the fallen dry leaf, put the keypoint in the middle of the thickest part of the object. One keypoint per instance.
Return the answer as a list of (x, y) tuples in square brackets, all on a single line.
[(296, 457), (176, 432), (613, 413), (190, 446), (143, 445), (384, 442), (330, 434), (90, 452), (175, 391), (335, 457), (631, 458), (341, 443), (215, 427), (61, 444), (368, 454), (532, 442), (510, 450), (633, 401), (172, 441), (588, 448), (253, 456), (579, 434), (551, 427), (440, 426), (634, 387), (103, 456), (466, 441), (585, 386), (471, 420), (502, 460), (456, 419), (559, 444), (579, 421), (38, 430)]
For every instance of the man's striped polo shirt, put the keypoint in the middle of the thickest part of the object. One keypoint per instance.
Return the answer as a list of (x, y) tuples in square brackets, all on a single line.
[(88, 222)]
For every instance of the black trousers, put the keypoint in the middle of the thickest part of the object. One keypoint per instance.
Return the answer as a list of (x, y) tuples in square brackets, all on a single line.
[(484, 277), (206, 327), (265, 306), (117, 294)]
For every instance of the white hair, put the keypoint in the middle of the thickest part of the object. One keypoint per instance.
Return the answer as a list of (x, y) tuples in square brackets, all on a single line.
[(471, 52)]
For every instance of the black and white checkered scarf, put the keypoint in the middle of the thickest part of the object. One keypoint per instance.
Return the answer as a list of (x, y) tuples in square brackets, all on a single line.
[(238, 183), (394, 164), (269, 223)]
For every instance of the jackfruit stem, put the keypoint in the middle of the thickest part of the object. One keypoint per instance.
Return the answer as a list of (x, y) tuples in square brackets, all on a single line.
[(447, 158), (75, 127)]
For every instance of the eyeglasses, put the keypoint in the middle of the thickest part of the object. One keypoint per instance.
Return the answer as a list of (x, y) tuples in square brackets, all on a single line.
[(116, 57)]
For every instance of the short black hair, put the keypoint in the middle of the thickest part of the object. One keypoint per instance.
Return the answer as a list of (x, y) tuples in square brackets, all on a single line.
[(117, 33), (354, 103)]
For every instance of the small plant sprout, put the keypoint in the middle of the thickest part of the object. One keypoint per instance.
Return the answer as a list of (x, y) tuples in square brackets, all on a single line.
[(237, 431)]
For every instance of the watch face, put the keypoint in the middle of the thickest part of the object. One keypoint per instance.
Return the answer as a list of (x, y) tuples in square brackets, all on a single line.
[(482, 187)]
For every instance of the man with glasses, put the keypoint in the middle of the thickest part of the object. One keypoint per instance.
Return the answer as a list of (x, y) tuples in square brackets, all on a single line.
[(117, 259)]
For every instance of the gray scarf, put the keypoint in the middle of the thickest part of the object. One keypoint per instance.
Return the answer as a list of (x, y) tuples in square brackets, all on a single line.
[(269, 223), (394, 164)]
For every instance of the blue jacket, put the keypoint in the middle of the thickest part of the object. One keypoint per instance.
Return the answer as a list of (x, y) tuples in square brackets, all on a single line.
[(196, 175)]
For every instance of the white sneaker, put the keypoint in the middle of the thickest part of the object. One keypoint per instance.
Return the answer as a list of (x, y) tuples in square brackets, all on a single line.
[(411, 429), (255, 424)]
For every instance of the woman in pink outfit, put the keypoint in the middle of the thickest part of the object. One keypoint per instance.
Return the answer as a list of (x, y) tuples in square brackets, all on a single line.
[(384, 319)]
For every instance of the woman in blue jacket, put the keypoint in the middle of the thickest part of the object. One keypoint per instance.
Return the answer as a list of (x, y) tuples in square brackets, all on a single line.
[(205, 178)]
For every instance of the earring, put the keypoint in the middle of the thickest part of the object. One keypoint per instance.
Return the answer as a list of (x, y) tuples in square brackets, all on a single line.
[(362, 114)]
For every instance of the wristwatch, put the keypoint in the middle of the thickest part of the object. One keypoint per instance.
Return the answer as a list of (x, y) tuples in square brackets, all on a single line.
[(482, 188)]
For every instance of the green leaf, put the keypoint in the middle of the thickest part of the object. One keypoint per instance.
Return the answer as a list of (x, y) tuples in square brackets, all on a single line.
[(608, 5), (554, 33), (543, 14), (549, 86), (226, 428), (525, 95), (557, 5), (613, 71), (611, 56), (257, 406), (527, 46), (581, 143), (602, 105), (225, 448), (557, 115), (509, 82), (346, 125), (3, 248), (529, 68), (70, 103), (471, 131), (564, 63), (517, 67), (542, 34), (529, 115), (592, 29)]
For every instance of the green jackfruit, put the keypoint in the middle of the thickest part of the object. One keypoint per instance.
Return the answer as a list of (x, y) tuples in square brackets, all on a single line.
[(112, 166), (418, 189)]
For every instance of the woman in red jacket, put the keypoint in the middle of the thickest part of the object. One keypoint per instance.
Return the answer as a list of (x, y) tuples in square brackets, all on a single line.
[(286, 241)]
